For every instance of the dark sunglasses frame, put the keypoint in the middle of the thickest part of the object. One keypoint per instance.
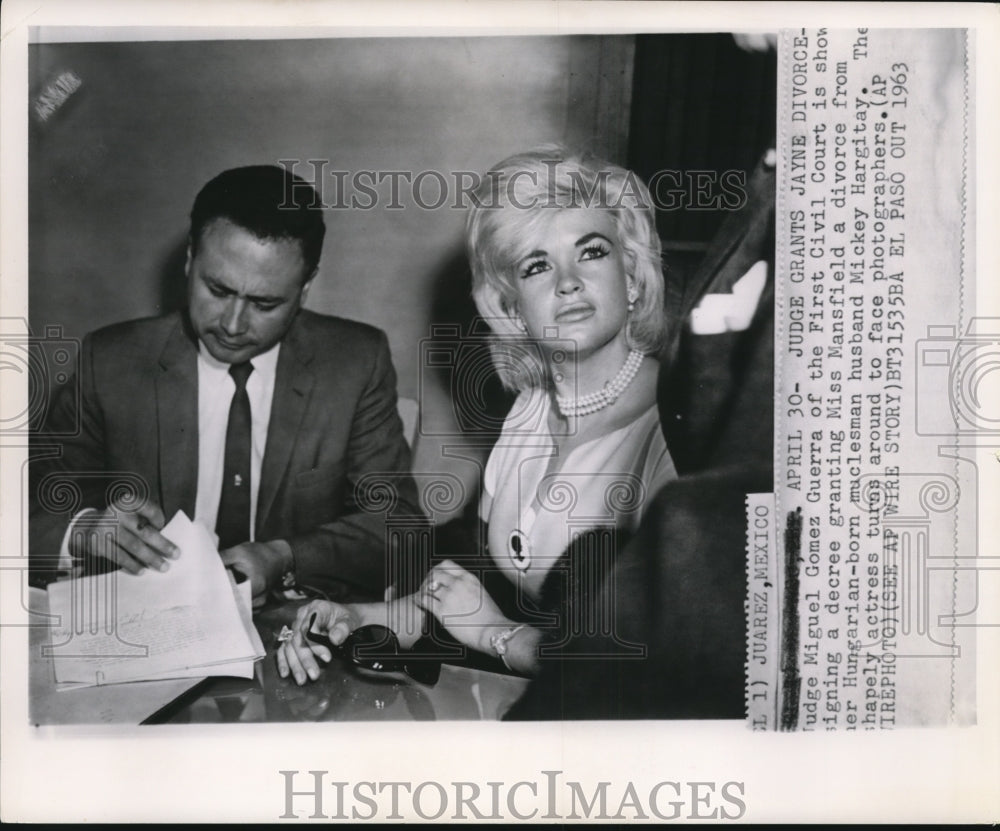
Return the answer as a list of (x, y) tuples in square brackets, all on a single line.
[(375, 647)]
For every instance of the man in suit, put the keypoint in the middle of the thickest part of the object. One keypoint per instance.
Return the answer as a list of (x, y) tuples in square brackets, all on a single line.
[(246, 411)]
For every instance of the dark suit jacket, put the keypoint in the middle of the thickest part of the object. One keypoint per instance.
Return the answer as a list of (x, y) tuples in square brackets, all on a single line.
[(716, 391), (131, 418)]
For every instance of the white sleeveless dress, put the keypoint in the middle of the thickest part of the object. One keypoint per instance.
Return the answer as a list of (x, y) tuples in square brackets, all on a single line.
[(536, 504)]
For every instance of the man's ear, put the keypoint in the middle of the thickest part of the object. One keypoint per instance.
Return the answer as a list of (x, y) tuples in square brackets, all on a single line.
[(187, 262), (306, 285)]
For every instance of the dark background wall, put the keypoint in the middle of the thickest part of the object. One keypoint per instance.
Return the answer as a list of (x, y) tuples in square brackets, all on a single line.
[(114, 169)]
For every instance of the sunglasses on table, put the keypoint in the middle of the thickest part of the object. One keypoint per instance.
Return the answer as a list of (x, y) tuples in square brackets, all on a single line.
[(376, 648)]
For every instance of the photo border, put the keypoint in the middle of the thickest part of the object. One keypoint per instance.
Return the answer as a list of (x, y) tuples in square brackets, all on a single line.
[(231, 773)]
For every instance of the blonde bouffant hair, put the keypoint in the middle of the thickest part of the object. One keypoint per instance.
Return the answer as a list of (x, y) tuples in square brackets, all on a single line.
[(516, 196)]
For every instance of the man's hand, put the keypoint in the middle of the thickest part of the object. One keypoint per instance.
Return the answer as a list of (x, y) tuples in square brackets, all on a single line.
[(138, 543), (263, 564)]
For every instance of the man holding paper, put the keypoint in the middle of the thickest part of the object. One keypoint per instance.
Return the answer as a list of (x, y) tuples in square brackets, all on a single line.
[(251, 414)]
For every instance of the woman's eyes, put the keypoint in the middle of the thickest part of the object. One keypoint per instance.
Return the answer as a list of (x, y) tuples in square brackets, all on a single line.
[(594, 251), (534, 267)]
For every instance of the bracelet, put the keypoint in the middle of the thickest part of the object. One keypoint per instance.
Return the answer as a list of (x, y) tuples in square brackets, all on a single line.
[(499, 642)]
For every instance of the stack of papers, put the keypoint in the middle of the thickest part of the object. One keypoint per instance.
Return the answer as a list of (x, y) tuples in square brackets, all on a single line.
[(190, 621)]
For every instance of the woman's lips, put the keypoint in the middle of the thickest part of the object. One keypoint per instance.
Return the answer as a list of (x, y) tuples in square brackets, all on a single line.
[(575, 313)]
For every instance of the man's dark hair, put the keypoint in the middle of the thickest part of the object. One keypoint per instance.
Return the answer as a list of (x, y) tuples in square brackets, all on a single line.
[(268, 201)]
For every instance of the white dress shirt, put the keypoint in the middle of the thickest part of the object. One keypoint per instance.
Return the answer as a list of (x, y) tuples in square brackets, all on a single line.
[(215, 393)]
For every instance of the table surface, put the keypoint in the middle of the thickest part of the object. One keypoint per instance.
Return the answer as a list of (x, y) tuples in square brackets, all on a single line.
[(342, 693)]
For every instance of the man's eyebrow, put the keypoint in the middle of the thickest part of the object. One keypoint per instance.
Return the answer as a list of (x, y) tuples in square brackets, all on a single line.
[(253, 298), (210, 281), (265, 298), (588, 237)]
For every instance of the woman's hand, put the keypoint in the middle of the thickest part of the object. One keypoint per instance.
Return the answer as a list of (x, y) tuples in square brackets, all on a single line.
[(457, 599), (298, 655)]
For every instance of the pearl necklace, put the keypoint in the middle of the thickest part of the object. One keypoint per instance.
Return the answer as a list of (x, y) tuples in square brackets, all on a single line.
[(608, 394)]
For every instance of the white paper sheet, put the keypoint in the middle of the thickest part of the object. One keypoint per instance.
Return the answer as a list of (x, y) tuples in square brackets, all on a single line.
[(184, 622), (236, 669)]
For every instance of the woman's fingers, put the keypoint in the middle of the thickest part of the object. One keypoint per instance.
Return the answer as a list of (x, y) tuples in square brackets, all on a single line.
[(314, 612), (449, 568), (444, 575), (320, 651), (295, 665), (434, 589), (338, 633), (297, 656), (282, 661), (324, 618), (301, 662), (290, 664), (426, 598)]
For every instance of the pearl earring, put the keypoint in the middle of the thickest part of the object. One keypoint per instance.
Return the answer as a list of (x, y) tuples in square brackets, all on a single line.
[(633, 295)]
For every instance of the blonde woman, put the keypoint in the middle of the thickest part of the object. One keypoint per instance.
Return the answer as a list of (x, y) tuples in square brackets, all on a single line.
[(566, 270)]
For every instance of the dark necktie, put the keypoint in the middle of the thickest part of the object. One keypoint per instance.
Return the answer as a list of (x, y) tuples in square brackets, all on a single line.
[(233, 523)]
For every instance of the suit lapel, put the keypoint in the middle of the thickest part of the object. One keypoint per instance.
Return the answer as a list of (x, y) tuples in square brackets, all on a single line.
[(293, 386), (177, 422)]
